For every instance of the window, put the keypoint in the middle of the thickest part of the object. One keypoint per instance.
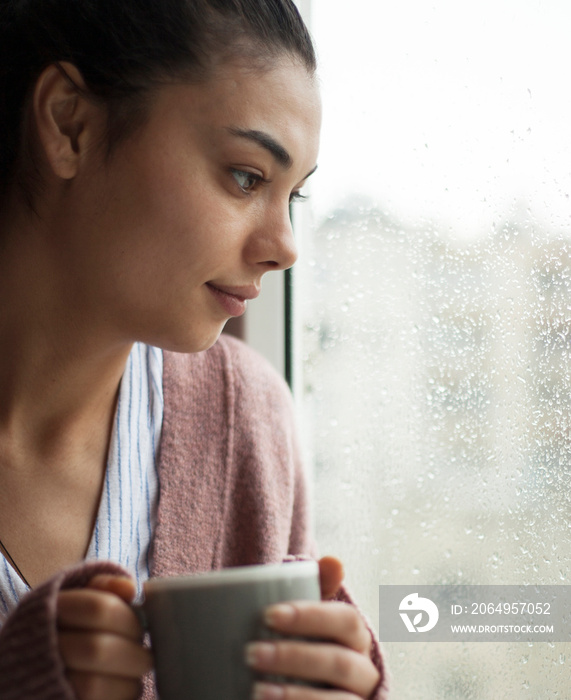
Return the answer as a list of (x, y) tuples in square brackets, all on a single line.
[(433, 316)]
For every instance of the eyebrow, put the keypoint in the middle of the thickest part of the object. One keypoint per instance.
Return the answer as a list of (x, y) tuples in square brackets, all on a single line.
[(266, 141), (269, 143)]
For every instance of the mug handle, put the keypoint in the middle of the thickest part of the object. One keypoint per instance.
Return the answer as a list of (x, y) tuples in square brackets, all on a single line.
[(139, 611)]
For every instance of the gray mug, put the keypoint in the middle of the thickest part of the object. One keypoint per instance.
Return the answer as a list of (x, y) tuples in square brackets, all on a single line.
[(200, 625)]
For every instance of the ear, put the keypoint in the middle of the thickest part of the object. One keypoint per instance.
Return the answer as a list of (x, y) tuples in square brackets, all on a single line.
[(65, 119)]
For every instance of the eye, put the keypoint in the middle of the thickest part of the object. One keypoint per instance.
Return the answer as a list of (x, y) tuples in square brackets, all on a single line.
[(246, 181), (296, 197)]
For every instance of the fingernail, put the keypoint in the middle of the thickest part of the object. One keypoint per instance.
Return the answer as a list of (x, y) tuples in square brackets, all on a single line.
[(282, 613), (267, 691), (260, 654)]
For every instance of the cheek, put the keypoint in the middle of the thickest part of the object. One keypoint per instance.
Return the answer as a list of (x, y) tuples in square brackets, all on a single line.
[(204, 220), (177, 214)]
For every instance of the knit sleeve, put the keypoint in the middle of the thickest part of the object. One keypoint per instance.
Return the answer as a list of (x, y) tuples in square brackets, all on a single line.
[(30, 664)]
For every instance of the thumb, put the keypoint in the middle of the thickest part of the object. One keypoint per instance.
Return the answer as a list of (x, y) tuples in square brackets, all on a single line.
[(121, 586), (330, 576)]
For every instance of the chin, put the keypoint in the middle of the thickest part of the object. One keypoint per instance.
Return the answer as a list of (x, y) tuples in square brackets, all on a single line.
[(192, 341)]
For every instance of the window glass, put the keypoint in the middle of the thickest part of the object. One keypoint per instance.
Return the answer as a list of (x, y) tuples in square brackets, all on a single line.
[(433, 316)]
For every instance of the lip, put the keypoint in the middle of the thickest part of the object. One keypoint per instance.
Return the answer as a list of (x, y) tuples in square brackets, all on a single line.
[(233, 299)]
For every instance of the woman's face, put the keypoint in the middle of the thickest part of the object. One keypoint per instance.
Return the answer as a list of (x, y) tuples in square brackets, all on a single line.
[(166, 240)]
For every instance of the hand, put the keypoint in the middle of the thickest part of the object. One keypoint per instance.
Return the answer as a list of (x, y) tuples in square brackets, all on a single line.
[(340, 659), (100, 640)]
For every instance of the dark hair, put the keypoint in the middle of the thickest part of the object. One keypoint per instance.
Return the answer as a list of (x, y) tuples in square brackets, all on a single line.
[(122, 49)]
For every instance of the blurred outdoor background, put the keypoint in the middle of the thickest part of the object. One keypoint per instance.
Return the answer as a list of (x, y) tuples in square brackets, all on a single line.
[(433, 316)]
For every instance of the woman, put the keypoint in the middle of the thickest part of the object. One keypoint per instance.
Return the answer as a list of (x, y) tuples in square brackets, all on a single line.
[(149, 155)]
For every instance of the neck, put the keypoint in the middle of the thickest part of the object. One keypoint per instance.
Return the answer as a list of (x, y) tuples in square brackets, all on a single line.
[(60, 367)]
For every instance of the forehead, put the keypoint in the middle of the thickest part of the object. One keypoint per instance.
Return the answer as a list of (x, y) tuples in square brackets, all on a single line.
[(284, 86), (282, 102)]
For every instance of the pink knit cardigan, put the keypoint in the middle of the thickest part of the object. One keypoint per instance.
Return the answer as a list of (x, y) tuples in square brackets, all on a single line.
[(232, 492)]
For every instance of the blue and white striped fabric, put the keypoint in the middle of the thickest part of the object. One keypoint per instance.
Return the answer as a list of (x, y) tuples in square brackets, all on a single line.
[(127, 513)]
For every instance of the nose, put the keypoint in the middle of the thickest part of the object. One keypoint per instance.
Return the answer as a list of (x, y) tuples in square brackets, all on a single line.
[(272, 245)]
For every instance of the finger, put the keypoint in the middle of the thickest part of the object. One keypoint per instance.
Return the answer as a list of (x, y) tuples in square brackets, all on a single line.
[(270, 691), (327, 663), (331, 620), (89, 686), (330, 576), (105, 654), (86, 609), (121, 586)]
